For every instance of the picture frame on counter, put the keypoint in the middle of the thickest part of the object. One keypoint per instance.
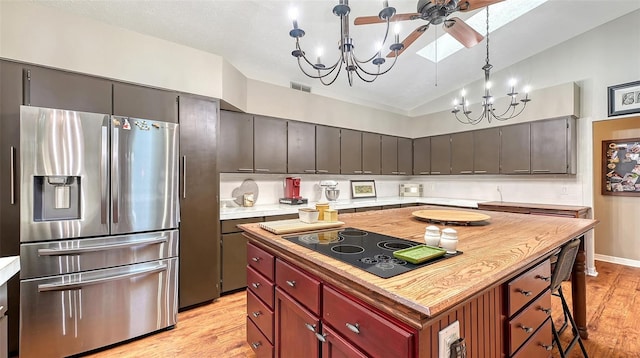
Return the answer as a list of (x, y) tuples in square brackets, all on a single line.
[(624, 99), (621, 167), (363, 189)]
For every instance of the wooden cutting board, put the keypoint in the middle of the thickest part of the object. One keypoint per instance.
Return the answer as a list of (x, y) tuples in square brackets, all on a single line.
[(450, 215), (295, 225)]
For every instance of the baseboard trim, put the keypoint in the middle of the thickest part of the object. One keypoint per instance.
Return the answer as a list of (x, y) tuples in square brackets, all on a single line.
[(617, 260)]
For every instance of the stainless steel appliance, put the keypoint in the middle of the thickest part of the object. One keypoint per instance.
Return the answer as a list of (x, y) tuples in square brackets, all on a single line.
[(366, 250), (98, 230)]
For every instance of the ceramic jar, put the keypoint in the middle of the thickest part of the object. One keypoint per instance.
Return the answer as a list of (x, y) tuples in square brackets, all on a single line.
[(432, 236), (321, 207), (449, 240)]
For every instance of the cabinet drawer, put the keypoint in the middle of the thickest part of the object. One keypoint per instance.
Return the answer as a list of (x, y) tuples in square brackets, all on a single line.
[(230, 226), (260, 286), (260, 345), (304, 288), (527, 286), (261, 315), (370, 331), (539, 346), (527, 322), (260, 260)]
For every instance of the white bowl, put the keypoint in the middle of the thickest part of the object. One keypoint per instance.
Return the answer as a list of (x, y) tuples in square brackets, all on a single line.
[(308, 215)]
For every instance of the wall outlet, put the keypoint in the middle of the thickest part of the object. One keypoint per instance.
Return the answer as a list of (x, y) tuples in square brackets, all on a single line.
[(446, 336)]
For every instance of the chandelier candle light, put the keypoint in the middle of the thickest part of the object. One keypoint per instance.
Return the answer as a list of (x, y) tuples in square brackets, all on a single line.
[(352, 64), (488, 111)]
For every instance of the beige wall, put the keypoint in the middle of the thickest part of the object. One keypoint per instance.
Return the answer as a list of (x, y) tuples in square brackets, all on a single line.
[(618, 233)]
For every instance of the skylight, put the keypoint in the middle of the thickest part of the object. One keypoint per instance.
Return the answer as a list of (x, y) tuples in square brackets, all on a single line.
[(502, 13)]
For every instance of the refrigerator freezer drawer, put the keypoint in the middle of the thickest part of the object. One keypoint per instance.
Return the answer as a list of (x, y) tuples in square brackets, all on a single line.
[(75, 313), (69, 256)]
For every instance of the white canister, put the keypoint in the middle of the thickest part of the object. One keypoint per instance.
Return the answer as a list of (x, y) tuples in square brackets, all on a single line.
[(432, 236), (449, 240)]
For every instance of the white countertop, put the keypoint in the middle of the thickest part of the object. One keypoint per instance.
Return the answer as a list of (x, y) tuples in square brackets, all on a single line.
[(9, 266), (281, 209)]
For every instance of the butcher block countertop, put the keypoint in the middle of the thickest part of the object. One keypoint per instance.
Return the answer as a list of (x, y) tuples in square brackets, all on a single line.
[(492, 254)]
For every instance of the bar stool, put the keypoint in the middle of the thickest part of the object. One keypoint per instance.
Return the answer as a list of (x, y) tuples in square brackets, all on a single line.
[(562, 272)]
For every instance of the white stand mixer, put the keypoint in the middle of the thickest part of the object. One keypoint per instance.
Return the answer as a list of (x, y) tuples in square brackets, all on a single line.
[(329, 189)]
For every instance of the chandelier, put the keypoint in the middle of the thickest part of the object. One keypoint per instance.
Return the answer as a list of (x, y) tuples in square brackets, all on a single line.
[(488, 111), (367, 70)]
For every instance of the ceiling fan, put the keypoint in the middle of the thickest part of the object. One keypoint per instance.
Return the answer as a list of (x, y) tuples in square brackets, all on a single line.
[(435, 12)]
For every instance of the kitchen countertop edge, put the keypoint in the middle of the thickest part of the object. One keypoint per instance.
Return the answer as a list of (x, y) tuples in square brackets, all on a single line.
[(9, 266)]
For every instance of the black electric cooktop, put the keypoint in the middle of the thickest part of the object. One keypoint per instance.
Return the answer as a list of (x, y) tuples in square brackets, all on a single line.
[(367, 250)]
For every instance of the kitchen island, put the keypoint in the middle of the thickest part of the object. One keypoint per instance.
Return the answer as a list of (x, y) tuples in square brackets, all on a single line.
[(479, 288)]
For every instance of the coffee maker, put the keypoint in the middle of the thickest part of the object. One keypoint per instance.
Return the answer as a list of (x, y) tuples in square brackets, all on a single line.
[(292, 192)]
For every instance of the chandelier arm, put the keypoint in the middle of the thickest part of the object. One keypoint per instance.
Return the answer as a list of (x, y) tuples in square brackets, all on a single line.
[(469, 120), (384, 41), (329, 68), (502, 118), (333, 80), (314, 76), (378, 73)]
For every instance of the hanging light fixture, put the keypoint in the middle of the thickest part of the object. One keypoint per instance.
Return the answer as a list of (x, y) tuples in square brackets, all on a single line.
[(367, 70), (488, 111)]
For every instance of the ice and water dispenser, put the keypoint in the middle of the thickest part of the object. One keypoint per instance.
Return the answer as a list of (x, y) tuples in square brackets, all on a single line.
[(56, 197)]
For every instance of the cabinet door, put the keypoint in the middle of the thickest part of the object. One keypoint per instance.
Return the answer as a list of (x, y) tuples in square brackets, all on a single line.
[(441, 154), (486, 151), (371, 153), (301, 147), (65, 90), (199, 228), (515, 149), (422, 156), (144, 102), (405, 156), (234, 261), (389, 154), (269, 145), (327, 150), (336, 346), (462, 153), (549, 143), (350, 152), (296, 329), (235, 149)]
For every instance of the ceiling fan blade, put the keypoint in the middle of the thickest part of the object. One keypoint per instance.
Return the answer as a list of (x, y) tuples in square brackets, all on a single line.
[(410, 39), (461, 31), (476, 4), (366, 20)]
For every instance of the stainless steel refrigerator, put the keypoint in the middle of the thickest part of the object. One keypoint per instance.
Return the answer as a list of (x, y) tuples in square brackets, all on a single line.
[(98, 230)]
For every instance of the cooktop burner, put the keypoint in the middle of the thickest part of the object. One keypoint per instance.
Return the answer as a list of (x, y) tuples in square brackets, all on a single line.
[(367, 250)]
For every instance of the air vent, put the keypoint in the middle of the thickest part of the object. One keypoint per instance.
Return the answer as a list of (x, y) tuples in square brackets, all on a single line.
[(300, 87)]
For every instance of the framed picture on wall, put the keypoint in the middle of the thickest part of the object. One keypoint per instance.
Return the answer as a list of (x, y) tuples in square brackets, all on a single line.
[(363, 189), (624, 99), (621, 167)]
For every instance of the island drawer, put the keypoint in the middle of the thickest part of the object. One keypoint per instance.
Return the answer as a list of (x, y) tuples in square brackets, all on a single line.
[(370, 331), (525, 324), (260, 286), (260, 260), (261, 315), (527, 286), (540, 345), (299, 285), (260, 345)]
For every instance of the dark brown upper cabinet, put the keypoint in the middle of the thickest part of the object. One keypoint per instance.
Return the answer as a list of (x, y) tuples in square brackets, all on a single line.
[(396, 157), (551, 143), (350, 151), (144, 102), (371, 152), (515, 149), (441, 154), (462, 153), (486, 151), (327, 150), (301, 147), (422, 156), (405, 156), (235, 143), (269, 145)]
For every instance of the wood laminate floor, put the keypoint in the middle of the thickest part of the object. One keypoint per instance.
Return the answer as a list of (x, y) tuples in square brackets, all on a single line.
[(218, 329)]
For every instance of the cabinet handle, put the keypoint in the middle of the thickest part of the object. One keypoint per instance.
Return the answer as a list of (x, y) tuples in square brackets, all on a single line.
[(255, 259), (402, 173), (12, 169), (321, 337), (479, 171), (546, 310), (543, 278), (322, 171), (395, 173), (547, 347), (264, 170), (368, 172), (541, 170), (435, 172), (355, 328), (256, 284), (521, 170), (255, 345), (309, 170), (526, 329), (311, 327), (291, 283), (525, 293), (245, 169), (184, 177), (256, 314), (466, 172), (357, 171), (422, 173)]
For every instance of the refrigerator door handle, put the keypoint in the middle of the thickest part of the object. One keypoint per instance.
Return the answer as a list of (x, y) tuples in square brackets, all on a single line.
[(184, 176), (48, 287), (115, 175), (79, 250), (104, 169), (13, 174)]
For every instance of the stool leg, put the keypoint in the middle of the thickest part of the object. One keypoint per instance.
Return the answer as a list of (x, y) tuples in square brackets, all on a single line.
[(574, 328)]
